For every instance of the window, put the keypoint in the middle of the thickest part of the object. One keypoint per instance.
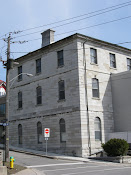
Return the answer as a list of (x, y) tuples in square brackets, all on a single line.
[(97, 129), (60, 58), (62, 130), (2, 109), (93, 55), (95, 88), (61, 85), (39, 132), (20, 100), (128, 64), (39, 95), (38, 66), (112, 60), (20, 133), (19, 73)]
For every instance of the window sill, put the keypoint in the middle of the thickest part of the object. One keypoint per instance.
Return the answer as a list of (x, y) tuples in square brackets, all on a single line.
[(95, 98), (38, 74), (38, 105), (63, 100), (60, 66), (113, 68), (94, 64), (19, 109), (97, 140), (62, 141), (19, 80)]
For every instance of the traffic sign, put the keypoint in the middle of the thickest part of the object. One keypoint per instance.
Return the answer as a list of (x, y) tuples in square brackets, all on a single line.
[(47, 132)]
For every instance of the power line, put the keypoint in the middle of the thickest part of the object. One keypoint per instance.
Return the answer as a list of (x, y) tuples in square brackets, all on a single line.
[(88, 27), (71, 49), (125, 42), (75, 21), (125, 4), (4, 35), (76, 16)]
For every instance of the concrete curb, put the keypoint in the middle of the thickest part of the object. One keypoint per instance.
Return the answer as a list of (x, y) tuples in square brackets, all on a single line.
[(53, 157), (3, 170)]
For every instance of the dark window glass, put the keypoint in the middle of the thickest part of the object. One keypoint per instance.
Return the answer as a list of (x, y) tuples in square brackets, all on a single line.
[(20, 133), (112, 60), (128, 64), (2, 109), (93, 55), (39, 132), (61, 90), (95, 88), (62, 130), (60, 58), (39, 95), (20, 73), (97, 129), (20, 100), (38, 66)]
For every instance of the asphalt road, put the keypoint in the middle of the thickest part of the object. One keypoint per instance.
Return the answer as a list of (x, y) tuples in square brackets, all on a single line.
[(63, 167)]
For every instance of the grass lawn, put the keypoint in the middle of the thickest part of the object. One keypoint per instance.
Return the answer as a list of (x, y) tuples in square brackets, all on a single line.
[(16, 168)]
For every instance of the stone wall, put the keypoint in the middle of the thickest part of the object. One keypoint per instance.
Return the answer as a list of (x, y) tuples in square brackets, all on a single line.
[(52, 109), (79, 122), (101, 107)]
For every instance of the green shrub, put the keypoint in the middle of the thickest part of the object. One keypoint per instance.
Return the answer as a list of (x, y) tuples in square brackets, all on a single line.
[(116, 147)]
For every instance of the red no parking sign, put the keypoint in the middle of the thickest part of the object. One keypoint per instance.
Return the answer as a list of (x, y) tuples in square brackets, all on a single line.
[(47, 132)]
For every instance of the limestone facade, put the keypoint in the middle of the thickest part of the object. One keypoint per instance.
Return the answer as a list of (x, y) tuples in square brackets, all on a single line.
[(79, 109)]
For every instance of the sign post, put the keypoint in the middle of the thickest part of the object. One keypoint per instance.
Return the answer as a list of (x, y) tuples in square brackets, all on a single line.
[(46, 134)]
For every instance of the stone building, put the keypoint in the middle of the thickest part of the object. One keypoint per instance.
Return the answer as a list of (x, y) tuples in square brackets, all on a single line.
[(70, 93)]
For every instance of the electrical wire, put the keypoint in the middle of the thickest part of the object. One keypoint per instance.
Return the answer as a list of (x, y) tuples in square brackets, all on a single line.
[(126, 3), (71, 22), (87, 27)]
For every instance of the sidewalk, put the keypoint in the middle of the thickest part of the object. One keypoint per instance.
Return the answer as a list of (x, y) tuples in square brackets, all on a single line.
[(30, 172), (49, 155)]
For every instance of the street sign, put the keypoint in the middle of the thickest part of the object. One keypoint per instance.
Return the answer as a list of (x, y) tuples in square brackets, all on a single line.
[(4, 124), (47, 132)]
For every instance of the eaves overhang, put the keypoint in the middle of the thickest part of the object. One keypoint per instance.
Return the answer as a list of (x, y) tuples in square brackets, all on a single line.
[(72, 37)]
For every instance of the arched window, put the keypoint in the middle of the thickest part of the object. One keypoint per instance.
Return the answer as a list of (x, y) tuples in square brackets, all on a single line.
[(97, 129), (39, 95), (39, 132), (62, 130), (20, 133)]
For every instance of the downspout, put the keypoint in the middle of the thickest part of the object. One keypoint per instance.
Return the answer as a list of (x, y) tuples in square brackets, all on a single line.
[(86, 97)]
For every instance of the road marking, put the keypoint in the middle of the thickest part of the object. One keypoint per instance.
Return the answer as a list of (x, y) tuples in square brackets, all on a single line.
[(97, 171), (54, 164), (72, 168)]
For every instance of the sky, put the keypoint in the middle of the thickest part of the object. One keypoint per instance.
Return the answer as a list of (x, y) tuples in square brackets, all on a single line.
[(32, 17)]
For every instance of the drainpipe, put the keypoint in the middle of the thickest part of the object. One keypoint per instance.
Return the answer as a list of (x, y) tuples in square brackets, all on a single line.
[(86, 97)]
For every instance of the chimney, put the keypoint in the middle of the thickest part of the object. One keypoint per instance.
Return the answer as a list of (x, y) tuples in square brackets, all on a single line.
[(47, 37)]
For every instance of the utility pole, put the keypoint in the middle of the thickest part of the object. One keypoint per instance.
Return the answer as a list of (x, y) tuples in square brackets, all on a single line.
[(9, 65), (7, 101)]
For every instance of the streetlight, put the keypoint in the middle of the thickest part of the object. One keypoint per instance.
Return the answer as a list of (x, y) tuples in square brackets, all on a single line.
[(13, 79)]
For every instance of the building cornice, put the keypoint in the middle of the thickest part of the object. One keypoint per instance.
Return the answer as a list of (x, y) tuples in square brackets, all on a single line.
[(70, 38)]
